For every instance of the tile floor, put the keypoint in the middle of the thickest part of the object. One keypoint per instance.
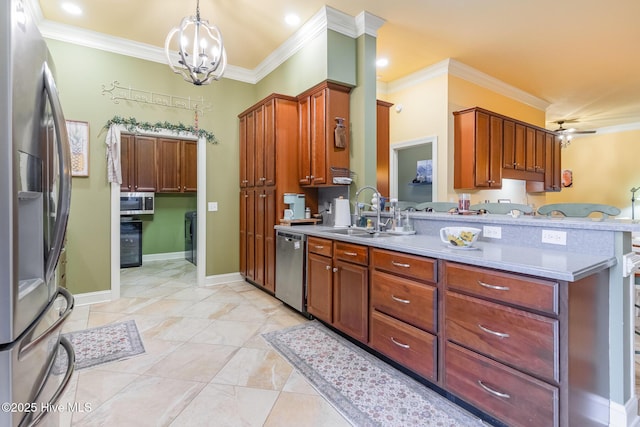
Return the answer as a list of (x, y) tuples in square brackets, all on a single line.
[(205, 362)]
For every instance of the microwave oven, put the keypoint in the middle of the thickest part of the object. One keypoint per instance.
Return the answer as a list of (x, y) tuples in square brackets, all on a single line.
[(136, 203)]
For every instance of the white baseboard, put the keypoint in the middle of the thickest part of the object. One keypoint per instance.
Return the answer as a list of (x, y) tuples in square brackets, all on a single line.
[(164, 256), (220, 279), (92, 297), (624, 415)]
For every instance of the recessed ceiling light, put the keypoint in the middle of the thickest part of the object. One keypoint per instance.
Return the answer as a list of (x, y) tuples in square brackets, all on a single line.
[(292, 19), (71, 8), (382, 62)]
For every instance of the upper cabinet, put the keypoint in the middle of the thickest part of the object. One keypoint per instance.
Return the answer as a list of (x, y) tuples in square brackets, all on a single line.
[(177, 165), (490, 147), (138, 159), (324, 132)]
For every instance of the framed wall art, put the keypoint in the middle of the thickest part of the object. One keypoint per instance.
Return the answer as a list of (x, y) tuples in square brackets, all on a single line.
[(79, 142)]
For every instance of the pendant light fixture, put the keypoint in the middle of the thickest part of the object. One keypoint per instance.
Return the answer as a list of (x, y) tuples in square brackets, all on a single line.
[(201, 57)]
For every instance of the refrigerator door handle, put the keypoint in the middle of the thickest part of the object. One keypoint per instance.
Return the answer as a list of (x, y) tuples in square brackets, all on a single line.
[(64, 154), (57, 324), (68, 348)]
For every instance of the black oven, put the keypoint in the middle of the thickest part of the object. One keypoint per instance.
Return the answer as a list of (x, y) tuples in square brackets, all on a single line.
[(136, 203)]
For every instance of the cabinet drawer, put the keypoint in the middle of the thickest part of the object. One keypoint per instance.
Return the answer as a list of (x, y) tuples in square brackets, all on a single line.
[(416, 267), (352, 253), (523, 340), (535, 294), (320, 246), (404, 299), (409, 346), (509, 395)]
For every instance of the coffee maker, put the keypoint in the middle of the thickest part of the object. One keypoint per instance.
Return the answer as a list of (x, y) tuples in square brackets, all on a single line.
[(296, 204)]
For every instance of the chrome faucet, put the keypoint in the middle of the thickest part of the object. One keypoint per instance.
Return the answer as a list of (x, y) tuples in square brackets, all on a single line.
[(378, 197)]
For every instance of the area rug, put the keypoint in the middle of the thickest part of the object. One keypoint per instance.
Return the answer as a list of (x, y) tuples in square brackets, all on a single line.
[(108, 343), (363, 388)]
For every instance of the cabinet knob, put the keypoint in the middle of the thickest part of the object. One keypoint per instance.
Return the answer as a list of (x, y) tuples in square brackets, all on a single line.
[(335, 269), (263, 195), (328, 267), (262, 178), (311, 177)]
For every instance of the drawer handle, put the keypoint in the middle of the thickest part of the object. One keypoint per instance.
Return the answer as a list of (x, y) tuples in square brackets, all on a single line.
[(404, 301), (497, 288), (494, 392), (319, 247), (350, 253), (399, 264), (399, 344), (489, 331)]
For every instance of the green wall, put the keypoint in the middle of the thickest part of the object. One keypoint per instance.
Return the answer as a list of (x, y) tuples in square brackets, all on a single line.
[(163, 232), (82, 73)]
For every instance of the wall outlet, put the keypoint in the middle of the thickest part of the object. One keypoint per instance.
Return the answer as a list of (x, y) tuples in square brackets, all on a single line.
[(492, 232), (212, 206), (554, 237)]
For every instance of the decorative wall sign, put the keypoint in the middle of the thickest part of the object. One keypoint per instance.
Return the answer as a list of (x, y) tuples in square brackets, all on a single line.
[(79, 141)]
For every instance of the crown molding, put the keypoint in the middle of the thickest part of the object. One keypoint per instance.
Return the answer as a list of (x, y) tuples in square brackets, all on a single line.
[(367, 23), (456, 68)]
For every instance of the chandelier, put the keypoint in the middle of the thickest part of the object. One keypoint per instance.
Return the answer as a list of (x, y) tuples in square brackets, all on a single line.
[(201, 57)]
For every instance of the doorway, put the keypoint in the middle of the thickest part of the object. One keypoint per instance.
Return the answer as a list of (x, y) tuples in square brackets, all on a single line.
[(413, 170), (201, 211)]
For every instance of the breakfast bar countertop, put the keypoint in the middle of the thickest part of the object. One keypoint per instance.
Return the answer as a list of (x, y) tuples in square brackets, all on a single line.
[(542, 262)]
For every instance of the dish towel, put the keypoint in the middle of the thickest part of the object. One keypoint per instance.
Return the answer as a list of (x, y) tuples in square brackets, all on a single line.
[(114, 171)]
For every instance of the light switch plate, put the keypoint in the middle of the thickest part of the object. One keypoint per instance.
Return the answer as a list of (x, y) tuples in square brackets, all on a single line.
[(212, 206)]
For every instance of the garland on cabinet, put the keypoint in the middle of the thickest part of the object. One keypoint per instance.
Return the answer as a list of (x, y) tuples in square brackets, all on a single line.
[(132, 125)]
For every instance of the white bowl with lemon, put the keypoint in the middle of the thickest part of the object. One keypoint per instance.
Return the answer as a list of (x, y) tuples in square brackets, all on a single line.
[(459, 237)]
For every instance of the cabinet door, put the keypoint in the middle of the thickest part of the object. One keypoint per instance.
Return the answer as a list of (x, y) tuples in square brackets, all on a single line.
[(488, 151), (320, 287), (251, 153), (259, 146), (251, 231), (540, 151), (244, 196), (552, 173), (318, 138), (304, 148), (495, 151), (189, 166), (168, 165), (520, 147), (126, 161), (145, 159), (242, 141), (351, 299), (260, 210), (530, 149), (509, 144), (270, 143), (270, 239)]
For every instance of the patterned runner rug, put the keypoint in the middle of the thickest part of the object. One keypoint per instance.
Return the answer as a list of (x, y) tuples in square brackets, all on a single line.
[(104, 344), (366, 390)]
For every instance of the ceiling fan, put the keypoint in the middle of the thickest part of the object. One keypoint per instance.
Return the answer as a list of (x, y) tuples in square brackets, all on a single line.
[(567, 134)]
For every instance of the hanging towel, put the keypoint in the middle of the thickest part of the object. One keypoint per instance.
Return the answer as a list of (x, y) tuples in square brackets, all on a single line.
[(114, 171)]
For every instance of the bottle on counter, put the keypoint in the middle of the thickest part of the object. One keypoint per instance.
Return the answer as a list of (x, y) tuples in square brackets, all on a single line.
[(307, 213)]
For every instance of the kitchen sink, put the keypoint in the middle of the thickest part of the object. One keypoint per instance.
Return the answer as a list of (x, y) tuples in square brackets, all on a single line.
[(358, 233)]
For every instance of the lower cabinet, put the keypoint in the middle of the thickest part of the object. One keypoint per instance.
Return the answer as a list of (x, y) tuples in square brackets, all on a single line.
[(338, 285), (527, 351)]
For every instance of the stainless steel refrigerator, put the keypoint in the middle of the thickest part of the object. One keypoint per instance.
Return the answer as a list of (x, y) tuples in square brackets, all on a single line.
[(35, 194)]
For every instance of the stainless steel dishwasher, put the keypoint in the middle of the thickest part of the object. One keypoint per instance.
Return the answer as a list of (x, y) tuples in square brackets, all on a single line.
[(291, 282)]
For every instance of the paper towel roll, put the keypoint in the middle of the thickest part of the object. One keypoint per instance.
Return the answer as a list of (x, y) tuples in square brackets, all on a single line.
[(343, 213)]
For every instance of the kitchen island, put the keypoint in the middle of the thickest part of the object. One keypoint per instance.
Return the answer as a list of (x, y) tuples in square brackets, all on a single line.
[(571, 349)]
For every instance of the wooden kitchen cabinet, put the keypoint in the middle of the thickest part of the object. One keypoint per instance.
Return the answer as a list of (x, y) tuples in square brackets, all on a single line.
[(477, 149), (553, 167), (268, 134), (338, 286), (177, 170), (515, 346), (404, 310), (319, 150), (489, 147), (138, 159)]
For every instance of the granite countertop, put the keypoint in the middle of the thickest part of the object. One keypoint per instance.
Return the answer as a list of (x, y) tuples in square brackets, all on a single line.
[(558, 265)]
